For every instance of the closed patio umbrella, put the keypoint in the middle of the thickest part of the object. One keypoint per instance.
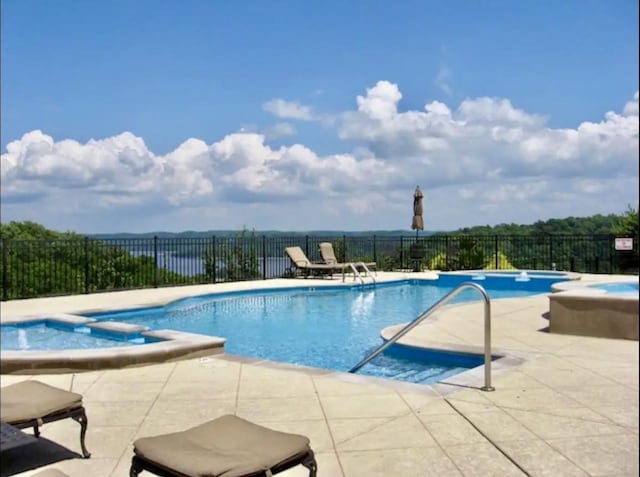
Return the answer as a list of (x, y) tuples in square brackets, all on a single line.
[(417, 223)]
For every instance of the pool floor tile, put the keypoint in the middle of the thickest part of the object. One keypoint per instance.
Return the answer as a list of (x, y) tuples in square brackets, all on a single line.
[(187, 413), (395, 433), (482, 460), (106, 390), (601, 455), (596, 396), (267, 388), (327, 387), (280, 409), (193, 390), (114, 413), (499, 426), (623, 416), (386, 405), (539, 459), (556, 424), (426, 404), (527, 399), (450, 429), (138, 374), (424, 462)]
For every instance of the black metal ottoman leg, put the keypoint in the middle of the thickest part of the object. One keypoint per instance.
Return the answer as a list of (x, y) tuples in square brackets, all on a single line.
[(136, 467), (82, 419)]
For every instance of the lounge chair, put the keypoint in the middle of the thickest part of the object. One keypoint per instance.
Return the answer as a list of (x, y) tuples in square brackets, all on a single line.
[(300, 261), (329, 257), (33, 403), (228, 446)]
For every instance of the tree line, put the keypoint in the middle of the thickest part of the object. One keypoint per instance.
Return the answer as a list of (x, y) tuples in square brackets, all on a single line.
[(37, 261)]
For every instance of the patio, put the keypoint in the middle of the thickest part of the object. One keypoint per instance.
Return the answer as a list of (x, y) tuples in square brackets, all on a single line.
[(563, 405)]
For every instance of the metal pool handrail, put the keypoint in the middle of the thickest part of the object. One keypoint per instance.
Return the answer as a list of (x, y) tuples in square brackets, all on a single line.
[(357, 274), (428, 312)]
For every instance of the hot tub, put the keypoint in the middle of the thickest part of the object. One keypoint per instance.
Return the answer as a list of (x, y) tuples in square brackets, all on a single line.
[(604, 309)]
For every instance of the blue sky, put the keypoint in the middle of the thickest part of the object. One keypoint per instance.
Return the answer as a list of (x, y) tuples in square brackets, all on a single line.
[(172, 115)]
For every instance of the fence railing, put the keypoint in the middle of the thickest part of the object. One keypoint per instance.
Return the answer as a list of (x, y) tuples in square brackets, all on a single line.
[(34, 268)]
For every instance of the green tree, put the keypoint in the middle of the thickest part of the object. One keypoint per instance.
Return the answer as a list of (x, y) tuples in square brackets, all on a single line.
[(237, 257), (37, 261)]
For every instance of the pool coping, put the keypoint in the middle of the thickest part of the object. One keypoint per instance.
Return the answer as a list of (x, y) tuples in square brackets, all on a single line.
[(171, 346)]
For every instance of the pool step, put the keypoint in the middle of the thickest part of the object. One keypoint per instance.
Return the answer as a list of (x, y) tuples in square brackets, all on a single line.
[(116, 330)]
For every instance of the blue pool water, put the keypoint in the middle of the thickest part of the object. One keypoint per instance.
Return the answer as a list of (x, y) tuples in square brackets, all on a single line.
[(618, 288), (331, 328), (52, 335)]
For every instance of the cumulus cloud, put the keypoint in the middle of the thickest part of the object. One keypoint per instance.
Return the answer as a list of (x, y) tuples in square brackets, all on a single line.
[(288, 109), (483, 155), (489, 139), (631, 107)]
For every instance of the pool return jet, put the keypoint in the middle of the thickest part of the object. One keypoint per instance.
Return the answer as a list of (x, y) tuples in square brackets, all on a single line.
[(428, 312)]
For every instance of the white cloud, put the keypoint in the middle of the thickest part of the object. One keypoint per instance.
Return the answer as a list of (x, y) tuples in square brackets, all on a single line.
[(488, 139), (288, 109), (484, 161), (442, 80), (631, 107), (381, 101), (280, 130)]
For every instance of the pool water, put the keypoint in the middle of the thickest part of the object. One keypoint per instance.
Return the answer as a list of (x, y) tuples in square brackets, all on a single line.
[(331, 329), (43, 336), (618, 288)]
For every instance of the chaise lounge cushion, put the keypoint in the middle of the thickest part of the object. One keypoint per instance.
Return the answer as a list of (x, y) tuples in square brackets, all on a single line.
[(228, 446), (28, 400)]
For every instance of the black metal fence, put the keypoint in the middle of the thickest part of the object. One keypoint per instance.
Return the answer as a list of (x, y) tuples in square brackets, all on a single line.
[(35, 268)]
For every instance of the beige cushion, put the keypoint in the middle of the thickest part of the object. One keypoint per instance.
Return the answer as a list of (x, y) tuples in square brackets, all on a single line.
[(300, 260), (225, 447), (31, 399), (50, 473)]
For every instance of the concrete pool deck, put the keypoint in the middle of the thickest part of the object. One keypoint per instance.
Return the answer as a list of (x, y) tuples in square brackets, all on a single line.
[(563, 404)]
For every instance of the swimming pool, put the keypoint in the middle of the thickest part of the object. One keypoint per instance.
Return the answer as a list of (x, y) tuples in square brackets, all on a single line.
[(330, 328)]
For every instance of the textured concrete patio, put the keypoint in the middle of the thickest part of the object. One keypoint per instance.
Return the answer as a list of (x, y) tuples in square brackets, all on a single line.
[(563, 405)]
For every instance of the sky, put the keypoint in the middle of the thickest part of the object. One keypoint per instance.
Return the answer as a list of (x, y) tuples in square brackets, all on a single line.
[(160, 115)]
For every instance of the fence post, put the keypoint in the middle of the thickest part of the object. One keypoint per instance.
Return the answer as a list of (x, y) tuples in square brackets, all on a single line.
[(496, 249), (344, 247), (611, 256), (306, 245), (86, 265), (401, 252), (550, 250), (446, 252), (214, 266), (375, 252), (264, 257), (5, 281), (155, 261)]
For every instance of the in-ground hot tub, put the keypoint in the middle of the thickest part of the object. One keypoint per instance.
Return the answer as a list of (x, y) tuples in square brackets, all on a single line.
[(605, 309)]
